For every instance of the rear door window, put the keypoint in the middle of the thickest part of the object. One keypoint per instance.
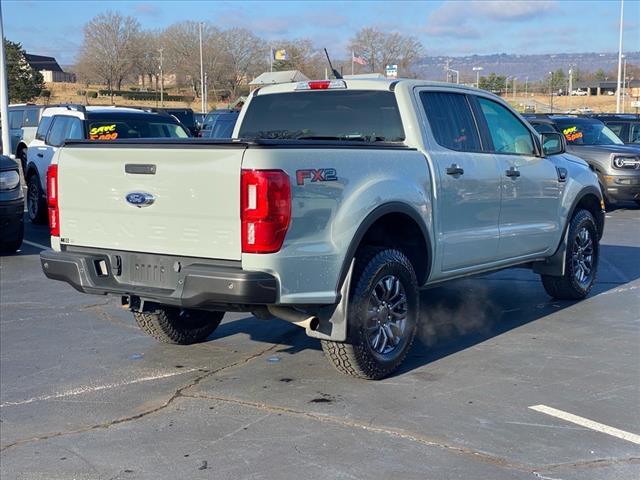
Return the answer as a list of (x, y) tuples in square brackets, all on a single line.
[(133, 128), (451, 120), (508, 133), (356, 115)]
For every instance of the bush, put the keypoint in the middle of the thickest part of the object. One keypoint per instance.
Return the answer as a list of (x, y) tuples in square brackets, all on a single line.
[(45, 93), (92, 94), (82, 93)]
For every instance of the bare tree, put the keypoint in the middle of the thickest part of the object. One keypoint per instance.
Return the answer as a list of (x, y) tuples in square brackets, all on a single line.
[(245, 56), (381, 48), (108, 50), (147, 59), (302, 56)]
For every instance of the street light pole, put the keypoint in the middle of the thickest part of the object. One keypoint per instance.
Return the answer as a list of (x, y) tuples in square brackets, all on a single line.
[(514, 87), (506, 86), (618, 92), (551, 91), (201, 70), (624, 83), (477, 70), (4, 95), (526, 85), (161, 80)]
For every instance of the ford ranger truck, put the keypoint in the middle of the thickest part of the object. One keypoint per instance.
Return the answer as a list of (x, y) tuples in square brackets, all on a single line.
[(335, 202)]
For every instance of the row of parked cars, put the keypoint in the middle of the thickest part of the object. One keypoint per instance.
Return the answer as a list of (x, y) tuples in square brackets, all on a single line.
[(37, 132)]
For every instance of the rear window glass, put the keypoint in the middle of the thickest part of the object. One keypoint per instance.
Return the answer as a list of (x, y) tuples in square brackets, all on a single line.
[(223, 128), (367, 116), (31, 117), (113, 130), (15, 119)]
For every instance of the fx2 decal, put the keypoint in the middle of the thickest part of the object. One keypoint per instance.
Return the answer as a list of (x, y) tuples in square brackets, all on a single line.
[(319, 175)]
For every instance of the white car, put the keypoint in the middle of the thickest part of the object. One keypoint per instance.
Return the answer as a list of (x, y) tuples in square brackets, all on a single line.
[(76, 122), (579, 93)]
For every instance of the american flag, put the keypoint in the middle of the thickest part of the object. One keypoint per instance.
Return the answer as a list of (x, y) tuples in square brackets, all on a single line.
[(358, 59)]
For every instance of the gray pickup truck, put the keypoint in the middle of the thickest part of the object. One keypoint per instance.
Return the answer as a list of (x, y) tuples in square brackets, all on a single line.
[(336, 202)]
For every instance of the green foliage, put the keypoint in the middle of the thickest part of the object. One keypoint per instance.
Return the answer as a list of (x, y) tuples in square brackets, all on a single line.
[(45, 93), (600, 75), (92, 94), (25, 83), (493, 82)]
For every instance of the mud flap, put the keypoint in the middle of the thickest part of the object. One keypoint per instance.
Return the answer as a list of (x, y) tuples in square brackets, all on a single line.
[(554, 265), (333, 318)]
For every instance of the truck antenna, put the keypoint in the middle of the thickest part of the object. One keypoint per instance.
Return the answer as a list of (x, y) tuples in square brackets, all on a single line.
[(336, 74)]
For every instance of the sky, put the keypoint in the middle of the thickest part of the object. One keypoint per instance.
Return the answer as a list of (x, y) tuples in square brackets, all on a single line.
[(445, 28)]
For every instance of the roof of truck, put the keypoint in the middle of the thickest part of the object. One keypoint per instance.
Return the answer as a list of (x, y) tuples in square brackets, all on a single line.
[(368, 84)]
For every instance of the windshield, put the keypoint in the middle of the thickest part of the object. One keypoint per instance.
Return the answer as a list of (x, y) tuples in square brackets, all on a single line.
[(356, 115), (587, 133), (133, 128)]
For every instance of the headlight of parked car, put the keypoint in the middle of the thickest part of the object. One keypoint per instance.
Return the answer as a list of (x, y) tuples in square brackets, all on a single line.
[(9, 180), (626, 163)]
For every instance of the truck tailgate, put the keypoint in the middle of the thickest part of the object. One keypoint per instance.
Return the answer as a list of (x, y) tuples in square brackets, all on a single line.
[(196, 198)]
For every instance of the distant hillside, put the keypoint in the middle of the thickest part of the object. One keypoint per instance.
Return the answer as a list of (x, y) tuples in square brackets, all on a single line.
[(536, 67)]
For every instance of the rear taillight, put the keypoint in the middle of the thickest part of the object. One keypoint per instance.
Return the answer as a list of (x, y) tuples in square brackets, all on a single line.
[(265, 210), (52, 200)]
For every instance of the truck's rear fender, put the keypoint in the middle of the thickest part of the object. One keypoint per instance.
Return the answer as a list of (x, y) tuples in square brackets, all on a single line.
[(327, 216)]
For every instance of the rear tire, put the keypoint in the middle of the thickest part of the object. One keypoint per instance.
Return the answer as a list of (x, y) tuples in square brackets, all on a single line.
[(178, 325), (383, 313), (36, 206), (581, 262)]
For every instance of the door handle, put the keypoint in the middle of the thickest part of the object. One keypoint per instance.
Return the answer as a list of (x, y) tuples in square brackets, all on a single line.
[(454, 169), (41, 155), (512, 172)]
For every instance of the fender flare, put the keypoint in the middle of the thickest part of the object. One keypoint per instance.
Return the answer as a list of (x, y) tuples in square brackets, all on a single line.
[(369, 220), (555, 264)]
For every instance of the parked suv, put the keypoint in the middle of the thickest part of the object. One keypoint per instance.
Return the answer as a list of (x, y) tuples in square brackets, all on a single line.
[(11, 206), (624, 125), (616, 164), (75, 122), (219, 124), (335, 202), (23, 123)]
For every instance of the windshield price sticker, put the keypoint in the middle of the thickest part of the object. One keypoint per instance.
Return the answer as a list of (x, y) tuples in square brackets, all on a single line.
[(572, 134), (104, 132)]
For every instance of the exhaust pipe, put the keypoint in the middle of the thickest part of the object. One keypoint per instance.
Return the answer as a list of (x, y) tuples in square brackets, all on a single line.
[(296, 317)]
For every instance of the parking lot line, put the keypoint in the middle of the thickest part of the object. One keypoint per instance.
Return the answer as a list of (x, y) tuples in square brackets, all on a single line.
[(95, 388), (37, 245), (585, 422)]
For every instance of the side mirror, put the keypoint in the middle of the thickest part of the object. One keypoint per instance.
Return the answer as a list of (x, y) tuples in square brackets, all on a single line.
[(553, 143)]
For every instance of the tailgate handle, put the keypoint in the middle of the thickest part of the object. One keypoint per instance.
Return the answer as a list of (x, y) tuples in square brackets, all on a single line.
[(140, 168)]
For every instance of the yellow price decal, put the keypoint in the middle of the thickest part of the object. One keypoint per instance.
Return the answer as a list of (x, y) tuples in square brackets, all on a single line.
[(572, 134), (104, 132)]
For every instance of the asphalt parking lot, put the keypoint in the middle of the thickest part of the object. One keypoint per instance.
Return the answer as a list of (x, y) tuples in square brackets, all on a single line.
[(85, 395)]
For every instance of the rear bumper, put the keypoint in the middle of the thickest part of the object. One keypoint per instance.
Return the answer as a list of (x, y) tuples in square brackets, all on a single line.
[(178, 281)]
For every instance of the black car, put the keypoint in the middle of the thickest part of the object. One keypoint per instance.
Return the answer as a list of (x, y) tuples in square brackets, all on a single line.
[(184, 115), (11, 206), (625, 125), (219, 124)]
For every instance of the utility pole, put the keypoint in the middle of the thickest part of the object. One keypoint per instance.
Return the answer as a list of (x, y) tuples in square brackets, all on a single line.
[(570, 93), (526, 85), (551, 91), (161, 80), (201, 70), (514, 87), (206, 93), (618, 92), (624, 83)]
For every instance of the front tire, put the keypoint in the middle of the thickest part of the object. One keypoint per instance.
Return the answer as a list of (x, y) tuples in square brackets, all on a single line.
[(383, 313), (581, 262), (36, 206), (178, 326)]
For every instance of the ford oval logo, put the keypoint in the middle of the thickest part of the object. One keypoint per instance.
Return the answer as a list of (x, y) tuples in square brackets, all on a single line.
[(140, 199)]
